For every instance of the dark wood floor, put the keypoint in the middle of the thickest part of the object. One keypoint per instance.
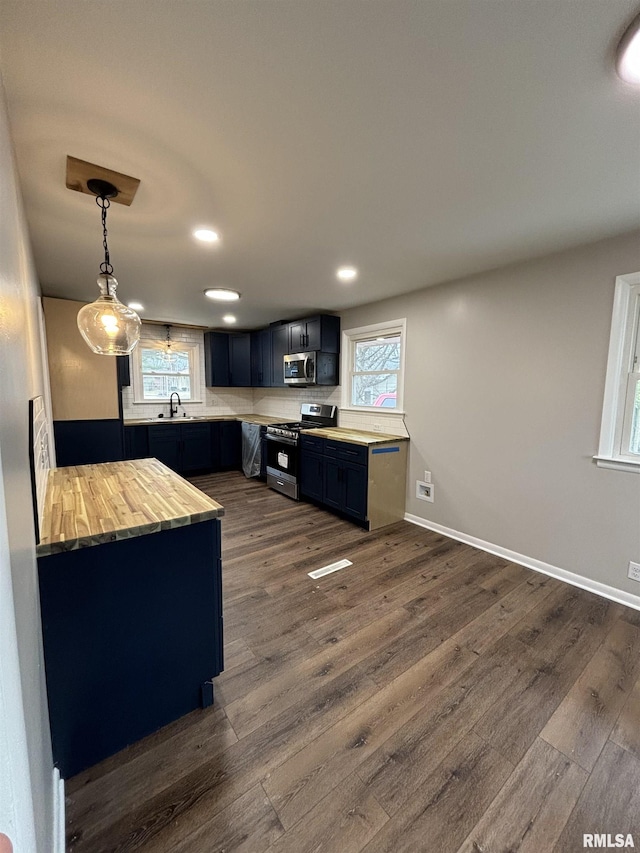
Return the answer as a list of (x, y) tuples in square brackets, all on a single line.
[(430, 697)]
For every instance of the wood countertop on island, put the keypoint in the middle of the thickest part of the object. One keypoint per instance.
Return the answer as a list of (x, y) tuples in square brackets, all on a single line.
[(88, 505)]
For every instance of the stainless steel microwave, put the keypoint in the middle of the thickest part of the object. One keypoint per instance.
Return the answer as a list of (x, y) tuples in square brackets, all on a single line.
[(311, 368)]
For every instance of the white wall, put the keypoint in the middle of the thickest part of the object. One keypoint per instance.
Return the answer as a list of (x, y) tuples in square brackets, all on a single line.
[(26, 767), (504, 386)]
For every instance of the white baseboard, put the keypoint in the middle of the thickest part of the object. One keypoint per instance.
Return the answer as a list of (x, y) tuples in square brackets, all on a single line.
[(58, 813), (602, 589)]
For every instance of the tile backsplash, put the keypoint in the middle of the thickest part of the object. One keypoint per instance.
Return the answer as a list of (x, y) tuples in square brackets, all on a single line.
[(281, 403)]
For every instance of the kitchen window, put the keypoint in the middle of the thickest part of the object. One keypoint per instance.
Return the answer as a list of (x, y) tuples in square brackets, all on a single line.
[(373, 367), (157, 373), (620, 431)]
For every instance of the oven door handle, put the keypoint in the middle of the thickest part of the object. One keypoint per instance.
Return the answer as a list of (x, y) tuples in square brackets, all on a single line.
[(282, 439)]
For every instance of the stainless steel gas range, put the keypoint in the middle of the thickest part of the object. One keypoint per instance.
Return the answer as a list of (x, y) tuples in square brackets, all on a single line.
[(283, 446)]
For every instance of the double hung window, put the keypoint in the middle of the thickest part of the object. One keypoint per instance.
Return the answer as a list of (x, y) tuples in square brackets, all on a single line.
[(620, 431), (157, 373), (373, 367)]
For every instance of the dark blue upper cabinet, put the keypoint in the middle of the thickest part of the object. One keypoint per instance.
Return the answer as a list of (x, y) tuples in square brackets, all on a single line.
[(240, 360), (227, 360), (279, 348), (216, 360), (123, 368), (315, 334), (261, 359)]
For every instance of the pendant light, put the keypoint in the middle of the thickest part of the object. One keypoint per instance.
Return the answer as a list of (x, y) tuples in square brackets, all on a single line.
[(108, 326), (168, 354)]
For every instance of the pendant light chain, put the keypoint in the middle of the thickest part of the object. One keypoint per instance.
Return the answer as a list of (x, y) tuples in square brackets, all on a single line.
[(103, 202)]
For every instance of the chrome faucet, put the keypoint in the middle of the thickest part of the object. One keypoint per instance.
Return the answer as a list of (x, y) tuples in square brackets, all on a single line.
[(173, 411)]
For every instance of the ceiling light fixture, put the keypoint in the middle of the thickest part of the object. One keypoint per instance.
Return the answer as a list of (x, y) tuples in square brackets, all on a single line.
[(628, 59), (229, 318), (108, 326), (222, 294), (206, 235), (347, 273)]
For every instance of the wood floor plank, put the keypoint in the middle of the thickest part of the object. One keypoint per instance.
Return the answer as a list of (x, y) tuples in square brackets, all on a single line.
[(101, 803), (584, 720), (248, 825), (531, 810), (627, 729), (405, 760), (429, 630), (430, 574), (237, 653), (398, 729), (449, 802), (609, 803), (298, 783), (345, 820), (559, 656), (199, 793), (272, 697), (270, 659)]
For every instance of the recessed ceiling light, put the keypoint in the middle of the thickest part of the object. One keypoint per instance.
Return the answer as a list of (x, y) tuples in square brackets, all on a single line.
[(229, 318), (135, 306), (347, 273), (206, 235), (222, 294), (628, 62)]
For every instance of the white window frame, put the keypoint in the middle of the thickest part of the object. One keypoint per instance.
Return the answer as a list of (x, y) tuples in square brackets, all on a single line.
[(181, 346), (349, 339), (623, 346)]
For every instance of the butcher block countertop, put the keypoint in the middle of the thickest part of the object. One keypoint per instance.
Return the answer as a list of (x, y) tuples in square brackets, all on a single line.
[(89, 505), (354, 436), (262, 420)]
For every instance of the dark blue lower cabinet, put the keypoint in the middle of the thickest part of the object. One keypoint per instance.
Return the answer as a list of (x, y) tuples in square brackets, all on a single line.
[(338, 477), (164, 444), (196, 452), (332, 483), (311, 475), (354, 490), (132, 635), (136, 442)]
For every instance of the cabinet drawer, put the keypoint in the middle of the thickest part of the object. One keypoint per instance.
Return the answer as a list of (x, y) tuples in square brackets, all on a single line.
[(312, 444), (347, 452)]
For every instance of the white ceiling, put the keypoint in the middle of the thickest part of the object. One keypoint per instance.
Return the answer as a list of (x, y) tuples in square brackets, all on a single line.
[(420, 140)]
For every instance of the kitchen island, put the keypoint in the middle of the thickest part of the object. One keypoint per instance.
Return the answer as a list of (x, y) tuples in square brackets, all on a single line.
[(130, 590)]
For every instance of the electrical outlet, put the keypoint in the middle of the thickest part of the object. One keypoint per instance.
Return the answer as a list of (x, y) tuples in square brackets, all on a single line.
[(634, 571), (377, 427), (424, 491), (427, 476)]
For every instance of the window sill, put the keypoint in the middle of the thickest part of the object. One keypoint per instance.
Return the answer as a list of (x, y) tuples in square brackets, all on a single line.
[(618, 464), (161, 402), (362, 410)]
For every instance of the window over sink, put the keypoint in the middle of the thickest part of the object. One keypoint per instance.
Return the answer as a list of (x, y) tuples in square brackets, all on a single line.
[(373, 367), (156, 374)]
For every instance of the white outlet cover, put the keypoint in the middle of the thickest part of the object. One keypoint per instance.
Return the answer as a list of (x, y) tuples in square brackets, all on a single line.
[(634, 571), (427, 476)]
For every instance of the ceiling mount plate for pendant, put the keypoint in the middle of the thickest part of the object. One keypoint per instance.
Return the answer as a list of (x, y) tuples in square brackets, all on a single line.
[(80, 174), (103, 189)]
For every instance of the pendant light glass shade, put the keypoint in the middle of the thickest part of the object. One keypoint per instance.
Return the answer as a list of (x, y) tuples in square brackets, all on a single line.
[(108, 326)]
